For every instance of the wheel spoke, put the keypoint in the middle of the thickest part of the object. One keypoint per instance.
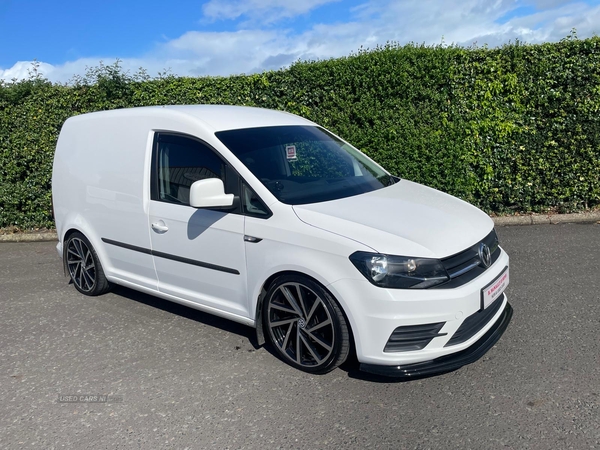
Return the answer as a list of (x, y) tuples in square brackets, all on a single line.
[(312, 310), (283, 322), (301, 300), (74, 262), (88, 255), (319, 325), (298, 356), (287, 336), (89, 280), (81, 276), (283, 308), (91, 265), (75, 270), (77, 244), (311, 350), (319, 341), (291, 300)]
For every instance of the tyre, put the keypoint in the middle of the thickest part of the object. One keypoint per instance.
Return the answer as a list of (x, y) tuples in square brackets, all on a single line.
[(84, 266), (305, 324)]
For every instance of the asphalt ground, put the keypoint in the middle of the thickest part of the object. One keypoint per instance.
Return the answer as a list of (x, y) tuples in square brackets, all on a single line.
[(179, 378)]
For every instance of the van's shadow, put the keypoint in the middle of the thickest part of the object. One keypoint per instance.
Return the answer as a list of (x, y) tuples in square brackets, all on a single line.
[(189, 313), (351, 366)]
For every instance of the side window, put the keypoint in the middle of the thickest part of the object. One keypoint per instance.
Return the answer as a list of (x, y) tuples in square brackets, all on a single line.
[(252, 204), (179, 162)]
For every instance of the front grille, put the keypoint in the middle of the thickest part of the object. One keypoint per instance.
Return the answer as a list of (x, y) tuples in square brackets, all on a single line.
[(466, 265), (413, 337), (475, 322)]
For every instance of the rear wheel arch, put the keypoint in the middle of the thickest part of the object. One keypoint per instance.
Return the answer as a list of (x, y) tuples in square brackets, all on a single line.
[(90, 236), (70, 232), (64, 240), (100, 283)]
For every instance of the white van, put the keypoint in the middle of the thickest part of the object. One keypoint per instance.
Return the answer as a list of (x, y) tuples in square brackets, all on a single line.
[(267, 219)]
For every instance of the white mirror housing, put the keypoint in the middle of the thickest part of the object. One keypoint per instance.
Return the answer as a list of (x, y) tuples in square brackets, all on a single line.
[(209, 193)]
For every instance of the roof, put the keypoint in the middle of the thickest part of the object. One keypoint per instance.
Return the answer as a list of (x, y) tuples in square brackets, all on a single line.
[(216, 117)]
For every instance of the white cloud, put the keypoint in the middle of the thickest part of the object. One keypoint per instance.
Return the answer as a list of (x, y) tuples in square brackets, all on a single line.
[(65, 72), (256, 49), (545, 4), (268, 11), (24, 69), (213, 53)]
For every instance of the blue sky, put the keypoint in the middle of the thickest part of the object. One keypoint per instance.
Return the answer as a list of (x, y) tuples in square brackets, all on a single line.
[(222, 37)]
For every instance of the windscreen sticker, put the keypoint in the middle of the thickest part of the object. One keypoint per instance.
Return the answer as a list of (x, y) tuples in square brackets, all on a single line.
[(290, 151)]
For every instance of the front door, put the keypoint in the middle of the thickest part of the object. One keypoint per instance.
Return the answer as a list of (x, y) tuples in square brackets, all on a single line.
[(198, 253)]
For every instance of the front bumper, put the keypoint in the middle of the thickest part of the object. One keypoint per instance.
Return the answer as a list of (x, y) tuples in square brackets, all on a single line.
[(375, 313), (448, 362)]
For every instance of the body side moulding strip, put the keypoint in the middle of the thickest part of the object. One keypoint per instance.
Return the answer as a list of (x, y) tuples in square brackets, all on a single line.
[(171, 257)]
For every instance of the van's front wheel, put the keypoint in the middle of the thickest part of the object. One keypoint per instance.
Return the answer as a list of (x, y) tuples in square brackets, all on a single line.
[(305, 324), (84, 266)]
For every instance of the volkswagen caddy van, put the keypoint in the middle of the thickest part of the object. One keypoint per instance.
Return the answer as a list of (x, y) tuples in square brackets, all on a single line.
[(270, 220)]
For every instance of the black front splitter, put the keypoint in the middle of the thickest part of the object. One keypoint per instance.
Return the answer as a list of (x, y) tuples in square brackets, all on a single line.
[(449, 362)]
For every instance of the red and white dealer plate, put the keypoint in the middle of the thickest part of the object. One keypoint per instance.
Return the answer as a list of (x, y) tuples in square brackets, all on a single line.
[(495, 289)]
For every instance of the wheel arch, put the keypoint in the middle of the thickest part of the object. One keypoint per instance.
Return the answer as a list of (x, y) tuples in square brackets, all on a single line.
[(80, 226), (64, 240), (260, 336), (87, 274)]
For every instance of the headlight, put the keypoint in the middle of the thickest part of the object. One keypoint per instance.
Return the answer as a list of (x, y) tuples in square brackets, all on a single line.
[(400, 272)]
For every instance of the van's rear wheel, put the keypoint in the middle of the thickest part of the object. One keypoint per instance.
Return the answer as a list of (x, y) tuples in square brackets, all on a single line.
[(305, 324), (84, 266)]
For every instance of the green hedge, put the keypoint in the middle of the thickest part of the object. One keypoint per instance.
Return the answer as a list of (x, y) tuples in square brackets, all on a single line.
[(515, 128)]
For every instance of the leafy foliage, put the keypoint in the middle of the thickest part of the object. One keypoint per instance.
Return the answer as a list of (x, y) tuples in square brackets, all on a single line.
[(515, 128)]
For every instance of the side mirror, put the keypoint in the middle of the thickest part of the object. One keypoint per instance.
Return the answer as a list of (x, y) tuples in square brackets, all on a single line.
[(209, 193)]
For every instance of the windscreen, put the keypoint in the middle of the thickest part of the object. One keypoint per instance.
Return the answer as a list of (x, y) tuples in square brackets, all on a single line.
[(304, 164)]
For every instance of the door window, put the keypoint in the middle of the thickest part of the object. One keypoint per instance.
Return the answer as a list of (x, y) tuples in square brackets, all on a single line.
[(178, 163)]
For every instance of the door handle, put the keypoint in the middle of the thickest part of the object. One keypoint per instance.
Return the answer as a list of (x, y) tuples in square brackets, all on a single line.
[(160, 227)]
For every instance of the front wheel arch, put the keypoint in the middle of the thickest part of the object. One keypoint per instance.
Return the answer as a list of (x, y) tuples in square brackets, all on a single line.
[(313, 292), (258, 320)]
